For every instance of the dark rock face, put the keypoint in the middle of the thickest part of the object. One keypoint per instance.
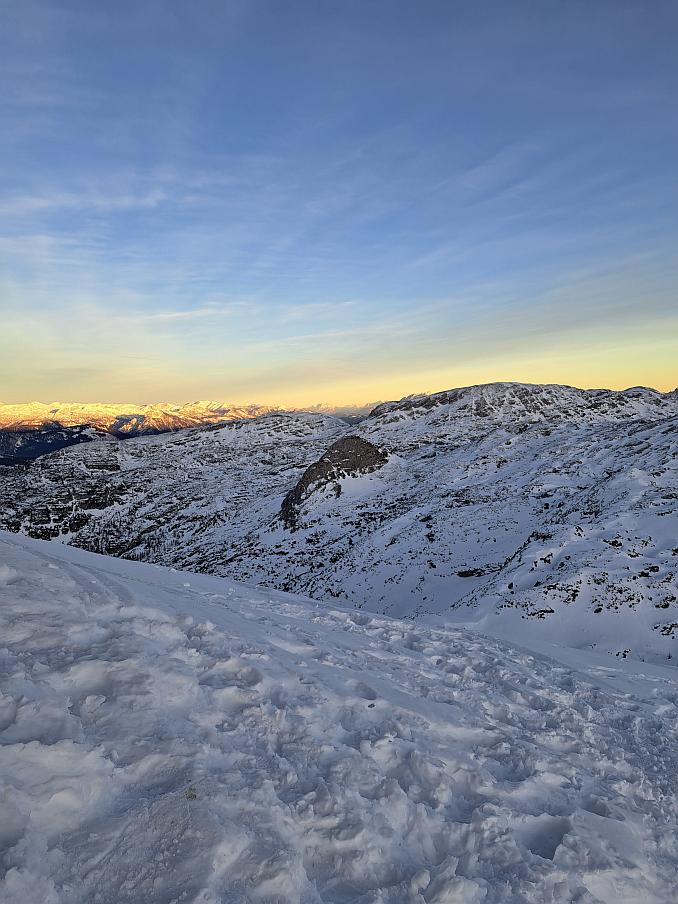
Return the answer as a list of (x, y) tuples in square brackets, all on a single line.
[(348, 457)]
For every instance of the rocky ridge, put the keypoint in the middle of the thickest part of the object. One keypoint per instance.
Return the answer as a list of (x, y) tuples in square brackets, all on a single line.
[(348, 457)]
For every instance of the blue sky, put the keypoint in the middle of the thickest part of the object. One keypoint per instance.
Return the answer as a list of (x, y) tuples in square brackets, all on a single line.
[(302, 202)]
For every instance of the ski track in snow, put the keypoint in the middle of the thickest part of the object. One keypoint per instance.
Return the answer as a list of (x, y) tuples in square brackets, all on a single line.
[(170, 737)]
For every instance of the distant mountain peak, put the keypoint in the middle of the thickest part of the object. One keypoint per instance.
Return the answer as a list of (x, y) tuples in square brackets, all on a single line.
[(125, 419)]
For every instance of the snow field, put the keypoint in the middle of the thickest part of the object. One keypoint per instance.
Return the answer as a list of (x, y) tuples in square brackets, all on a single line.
[(169, 737)]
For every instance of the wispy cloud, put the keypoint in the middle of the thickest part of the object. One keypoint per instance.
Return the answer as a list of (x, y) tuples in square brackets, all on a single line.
[(26, 205), (265, 200), (507, 165)]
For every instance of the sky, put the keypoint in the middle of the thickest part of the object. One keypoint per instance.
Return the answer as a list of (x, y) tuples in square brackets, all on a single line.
[(333, 202)]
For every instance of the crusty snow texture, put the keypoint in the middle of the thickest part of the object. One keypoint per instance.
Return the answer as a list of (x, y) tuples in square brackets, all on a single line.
[(169, 737)]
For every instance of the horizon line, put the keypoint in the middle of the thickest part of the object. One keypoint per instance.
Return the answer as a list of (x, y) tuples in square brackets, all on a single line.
[(325, 405)]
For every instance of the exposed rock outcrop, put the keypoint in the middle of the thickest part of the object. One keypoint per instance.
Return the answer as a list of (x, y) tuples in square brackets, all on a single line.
[(348, 457)]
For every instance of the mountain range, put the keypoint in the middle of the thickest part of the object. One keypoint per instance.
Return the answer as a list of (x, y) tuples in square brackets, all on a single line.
[(35, 428), (124, 420), (540, 510)]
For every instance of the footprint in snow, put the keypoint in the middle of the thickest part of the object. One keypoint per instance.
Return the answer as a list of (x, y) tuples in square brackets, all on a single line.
[(360, 689)]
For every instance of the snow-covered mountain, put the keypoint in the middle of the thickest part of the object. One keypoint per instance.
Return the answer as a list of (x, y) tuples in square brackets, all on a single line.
[(124, 420), (30, 430), (544, 509), (171, 737), (137, 420)]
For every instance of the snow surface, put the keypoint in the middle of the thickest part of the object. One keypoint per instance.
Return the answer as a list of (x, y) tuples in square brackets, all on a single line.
[(171, 737)]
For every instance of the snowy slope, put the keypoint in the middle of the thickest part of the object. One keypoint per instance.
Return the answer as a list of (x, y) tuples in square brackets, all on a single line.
[(546, 509), (177, 737), (170, 495)]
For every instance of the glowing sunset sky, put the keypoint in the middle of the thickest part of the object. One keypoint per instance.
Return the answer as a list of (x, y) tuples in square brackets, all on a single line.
[(301, 202)]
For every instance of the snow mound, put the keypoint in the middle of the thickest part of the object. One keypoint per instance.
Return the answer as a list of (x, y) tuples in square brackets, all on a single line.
[(176, 737)]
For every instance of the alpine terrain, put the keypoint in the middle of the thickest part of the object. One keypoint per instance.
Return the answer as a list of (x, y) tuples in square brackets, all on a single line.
[(33, 429), (545, 511)]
